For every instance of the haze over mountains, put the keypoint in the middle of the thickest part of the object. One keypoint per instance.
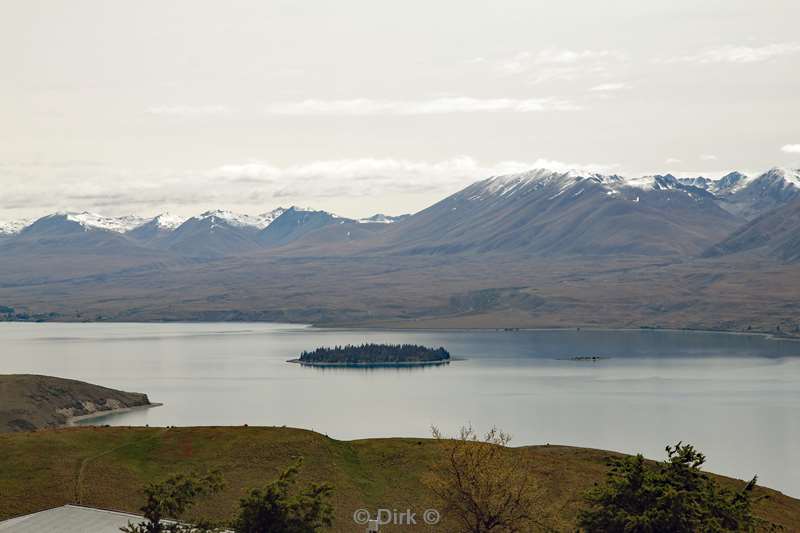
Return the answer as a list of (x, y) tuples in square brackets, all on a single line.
[(536, 248), (539, 212)]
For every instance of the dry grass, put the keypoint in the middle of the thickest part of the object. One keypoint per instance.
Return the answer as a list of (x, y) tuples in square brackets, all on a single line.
[(39, 470), (429, 291)]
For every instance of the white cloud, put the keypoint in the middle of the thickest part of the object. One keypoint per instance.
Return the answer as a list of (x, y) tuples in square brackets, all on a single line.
[(671, 160), (374, 176), (551, 64), (516, 64), (608, 87), (250, 186), (462, 104), (184, 111), (559, 56), (708, 157), (791, 148), (738, 54)]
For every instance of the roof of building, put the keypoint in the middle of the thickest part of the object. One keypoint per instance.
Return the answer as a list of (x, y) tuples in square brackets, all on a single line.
[(70, 519)]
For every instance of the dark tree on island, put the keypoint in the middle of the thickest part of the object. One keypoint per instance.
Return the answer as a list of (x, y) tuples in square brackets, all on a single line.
[(377, 354)]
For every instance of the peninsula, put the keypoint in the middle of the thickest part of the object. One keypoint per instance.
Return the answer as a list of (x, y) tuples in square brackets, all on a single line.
[(29, 402), (375, 355)]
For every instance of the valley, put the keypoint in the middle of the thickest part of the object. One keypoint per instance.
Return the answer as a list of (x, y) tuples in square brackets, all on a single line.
[(534, 250)]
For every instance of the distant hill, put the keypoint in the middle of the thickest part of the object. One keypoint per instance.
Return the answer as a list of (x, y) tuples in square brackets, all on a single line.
[(775, 234), (296, 223), (30, 402)]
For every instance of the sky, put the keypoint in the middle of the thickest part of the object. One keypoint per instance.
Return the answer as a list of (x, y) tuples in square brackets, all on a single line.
[(360, 107)]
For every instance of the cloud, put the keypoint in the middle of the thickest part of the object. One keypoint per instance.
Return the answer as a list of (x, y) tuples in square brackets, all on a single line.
[(708, 157), (560, 56), (671, 160), (516, 64), (738, 54), (376, 177), (560, 64), (253, 185), (461, 104), (608, 87), (183, 111), (791, 148)]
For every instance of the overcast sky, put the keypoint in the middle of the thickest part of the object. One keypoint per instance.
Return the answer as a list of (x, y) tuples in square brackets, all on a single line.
[(366, 106)]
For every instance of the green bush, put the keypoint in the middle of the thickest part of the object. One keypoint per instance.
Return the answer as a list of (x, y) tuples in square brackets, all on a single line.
[(671, 496)]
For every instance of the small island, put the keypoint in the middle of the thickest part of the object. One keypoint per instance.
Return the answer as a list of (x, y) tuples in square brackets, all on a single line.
[(375, 355)]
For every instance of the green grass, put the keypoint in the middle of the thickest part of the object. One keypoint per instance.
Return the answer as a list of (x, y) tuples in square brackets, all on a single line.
[(40, 470)]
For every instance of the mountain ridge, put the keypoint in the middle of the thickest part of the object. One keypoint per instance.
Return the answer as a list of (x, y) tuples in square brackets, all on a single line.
[(539, 212)]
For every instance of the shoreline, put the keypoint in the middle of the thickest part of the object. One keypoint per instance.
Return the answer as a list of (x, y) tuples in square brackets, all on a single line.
[(72, 421), (393, 327), (399, 364), (554, 328)]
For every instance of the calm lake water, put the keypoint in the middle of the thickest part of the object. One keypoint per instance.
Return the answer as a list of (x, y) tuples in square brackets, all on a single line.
[(736, 397)]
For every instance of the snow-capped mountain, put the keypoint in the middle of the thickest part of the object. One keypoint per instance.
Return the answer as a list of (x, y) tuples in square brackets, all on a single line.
[(545, 213), (728, 183), (752, 197), (12, 227), (540, 211), (380, 218), (211, 234), (241, 220), (265, 219), (90, 221), (156, 227), (168, 221), (84, 221), (75, 233)]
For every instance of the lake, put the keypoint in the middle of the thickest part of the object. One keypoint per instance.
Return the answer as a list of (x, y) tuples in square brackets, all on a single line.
[(736, 397)]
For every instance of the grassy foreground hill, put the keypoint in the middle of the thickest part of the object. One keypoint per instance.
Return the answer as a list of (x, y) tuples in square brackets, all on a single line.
[(105, 467), (29, 401)]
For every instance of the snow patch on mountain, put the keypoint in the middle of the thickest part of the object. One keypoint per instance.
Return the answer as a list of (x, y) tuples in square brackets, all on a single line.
[(791, 176), (13, 227), (265, 219), (94, 221), (537, 179), (168, 221), (300, 209), (239, 220), (380, 218)]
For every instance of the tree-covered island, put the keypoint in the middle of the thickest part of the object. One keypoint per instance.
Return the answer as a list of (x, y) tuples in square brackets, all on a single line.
[(375, 355)]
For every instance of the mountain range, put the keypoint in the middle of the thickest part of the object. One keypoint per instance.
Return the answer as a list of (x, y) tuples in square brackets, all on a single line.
[(539, 248), (216, 233), (540, 212)]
